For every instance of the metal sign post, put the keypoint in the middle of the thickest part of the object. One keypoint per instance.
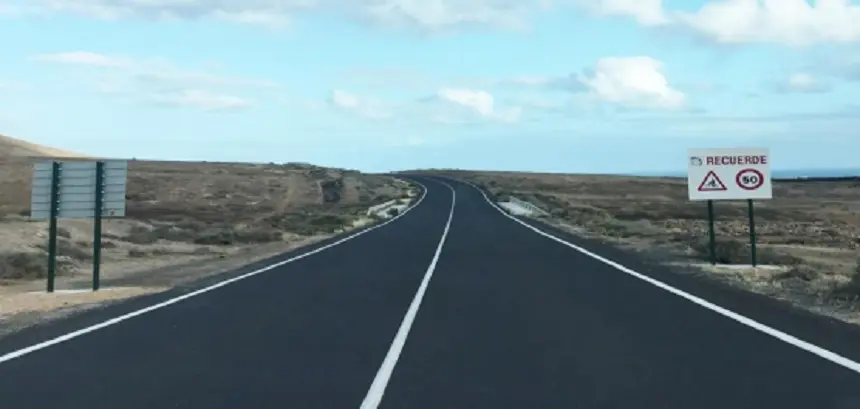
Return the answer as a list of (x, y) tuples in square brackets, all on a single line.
[(712, 234), (52, 224), (97, 223), (751, 214)]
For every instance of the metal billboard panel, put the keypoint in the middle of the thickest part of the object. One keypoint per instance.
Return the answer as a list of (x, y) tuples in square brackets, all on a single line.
[(729, 174), (77, 189)]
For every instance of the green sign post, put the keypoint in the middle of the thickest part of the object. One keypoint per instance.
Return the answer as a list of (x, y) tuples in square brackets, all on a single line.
[(712, 234), (751, 214), (97, 223), (52, 224)]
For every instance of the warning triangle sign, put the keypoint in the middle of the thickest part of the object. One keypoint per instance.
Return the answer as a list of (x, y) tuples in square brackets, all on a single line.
[(712, 183)]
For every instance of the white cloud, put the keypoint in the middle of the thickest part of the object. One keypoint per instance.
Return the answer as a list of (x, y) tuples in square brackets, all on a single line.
[(12, 85), (202, 99), (8, 10), (85, 58), (184, 78), (634, 82), (364, 107), (162, 81), (802, 83), (424, 14), (385, 77), (795, 22), (727, 21), (266, 18), (792, 22), (480, 102), (646, 12), (449, 105)]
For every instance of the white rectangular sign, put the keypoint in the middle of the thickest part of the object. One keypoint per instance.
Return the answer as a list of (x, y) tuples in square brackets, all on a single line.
[(78, 190), (729, 174)]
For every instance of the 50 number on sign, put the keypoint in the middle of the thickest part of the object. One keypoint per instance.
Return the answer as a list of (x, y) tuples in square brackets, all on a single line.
[(749, 179)]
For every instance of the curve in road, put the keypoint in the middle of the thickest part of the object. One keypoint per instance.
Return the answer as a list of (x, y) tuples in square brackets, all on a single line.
[(455, 304)]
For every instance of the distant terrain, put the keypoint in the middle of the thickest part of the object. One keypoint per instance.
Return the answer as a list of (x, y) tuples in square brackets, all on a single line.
[(184, 220), (809, 233), (13, 147)]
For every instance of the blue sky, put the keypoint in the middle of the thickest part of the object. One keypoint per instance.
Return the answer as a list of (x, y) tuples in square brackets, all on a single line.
[(542, 85)]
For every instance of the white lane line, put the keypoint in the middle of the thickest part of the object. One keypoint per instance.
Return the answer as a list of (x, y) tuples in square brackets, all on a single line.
[(71, 335), (380, 382), (782, 336)]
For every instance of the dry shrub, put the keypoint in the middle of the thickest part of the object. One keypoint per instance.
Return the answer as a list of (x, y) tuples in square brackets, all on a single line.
[(228, 236), (729, 251), (23, 265), (64, 233), (141, 235), (850, 290), (800, 272), (29, 265), (69, 249), (627, 229)]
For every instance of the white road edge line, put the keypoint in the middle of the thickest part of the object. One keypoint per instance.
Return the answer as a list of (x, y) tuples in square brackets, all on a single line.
[(71, 335), (380, 382), (782, 336)]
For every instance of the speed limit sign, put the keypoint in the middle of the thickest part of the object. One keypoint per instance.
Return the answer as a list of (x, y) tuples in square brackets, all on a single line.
[(749, 179)]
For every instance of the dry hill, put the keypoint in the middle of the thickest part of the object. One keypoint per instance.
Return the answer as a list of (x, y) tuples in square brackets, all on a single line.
[(14, 147)]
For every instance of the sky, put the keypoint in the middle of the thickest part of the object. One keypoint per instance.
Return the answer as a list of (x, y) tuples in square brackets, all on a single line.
[(606, 86)]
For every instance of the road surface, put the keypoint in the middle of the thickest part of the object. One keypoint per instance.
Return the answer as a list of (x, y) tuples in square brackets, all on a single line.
[(452, 305)]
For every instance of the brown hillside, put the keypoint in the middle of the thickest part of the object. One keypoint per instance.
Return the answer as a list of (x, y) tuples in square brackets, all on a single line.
[(13, 147)]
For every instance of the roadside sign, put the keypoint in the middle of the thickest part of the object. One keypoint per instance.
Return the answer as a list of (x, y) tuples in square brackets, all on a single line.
[(729, 174), (77, 190)]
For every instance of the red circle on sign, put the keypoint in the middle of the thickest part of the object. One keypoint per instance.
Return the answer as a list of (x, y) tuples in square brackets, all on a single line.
[(759, 181)]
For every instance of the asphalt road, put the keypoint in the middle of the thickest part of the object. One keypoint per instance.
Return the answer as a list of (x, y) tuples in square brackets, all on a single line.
[(453, 305)]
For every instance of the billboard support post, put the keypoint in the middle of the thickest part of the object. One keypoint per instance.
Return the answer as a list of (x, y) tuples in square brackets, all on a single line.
[(712, 234), (751, 214), (97, 223), (52, 224)]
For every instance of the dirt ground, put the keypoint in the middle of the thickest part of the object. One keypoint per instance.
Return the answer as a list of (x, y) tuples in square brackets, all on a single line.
[(808, 235), (185, 220)]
